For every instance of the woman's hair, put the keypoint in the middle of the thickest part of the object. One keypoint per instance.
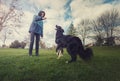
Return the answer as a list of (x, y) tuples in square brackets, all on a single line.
[(40, 13)]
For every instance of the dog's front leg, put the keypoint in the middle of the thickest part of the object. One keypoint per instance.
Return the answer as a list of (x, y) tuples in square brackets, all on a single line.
[(59, 54)]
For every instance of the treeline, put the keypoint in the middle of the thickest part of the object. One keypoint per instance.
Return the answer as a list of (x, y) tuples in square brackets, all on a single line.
[(104, 29)]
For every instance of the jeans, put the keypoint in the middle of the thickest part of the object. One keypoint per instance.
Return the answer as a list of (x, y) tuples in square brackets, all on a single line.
[(33, 35)]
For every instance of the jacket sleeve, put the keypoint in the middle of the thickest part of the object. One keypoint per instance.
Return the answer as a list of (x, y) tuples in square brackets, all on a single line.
[(38, 18)]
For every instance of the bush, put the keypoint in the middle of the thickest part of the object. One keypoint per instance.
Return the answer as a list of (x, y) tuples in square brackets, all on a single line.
[(17, 44), (23, 44), (4, 46)]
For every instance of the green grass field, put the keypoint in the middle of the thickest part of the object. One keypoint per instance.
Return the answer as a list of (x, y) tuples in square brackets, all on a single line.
[(16, 65)]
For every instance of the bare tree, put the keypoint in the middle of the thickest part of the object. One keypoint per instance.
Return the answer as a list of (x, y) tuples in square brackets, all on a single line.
[(10, 15), (97, 27), (5, 34), (108, 21), (98, 31), (84, 29)]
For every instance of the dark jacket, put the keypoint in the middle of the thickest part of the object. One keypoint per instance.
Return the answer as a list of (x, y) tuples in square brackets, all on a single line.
[(37, 25)]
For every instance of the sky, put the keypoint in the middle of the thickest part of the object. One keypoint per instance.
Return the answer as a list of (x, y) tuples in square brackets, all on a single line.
[(61, 12)]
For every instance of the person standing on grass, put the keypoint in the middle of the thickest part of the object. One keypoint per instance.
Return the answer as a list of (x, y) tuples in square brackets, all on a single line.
[(36, 31)]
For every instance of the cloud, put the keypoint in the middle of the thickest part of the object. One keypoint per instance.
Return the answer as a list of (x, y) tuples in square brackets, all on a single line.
[(88, 9)]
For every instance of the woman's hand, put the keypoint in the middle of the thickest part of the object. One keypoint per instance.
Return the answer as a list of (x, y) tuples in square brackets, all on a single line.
[(44, 18), (29, 31)]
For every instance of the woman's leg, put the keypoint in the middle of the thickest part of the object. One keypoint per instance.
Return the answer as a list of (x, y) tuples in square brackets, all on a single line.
[(37, 44), (31, 43)]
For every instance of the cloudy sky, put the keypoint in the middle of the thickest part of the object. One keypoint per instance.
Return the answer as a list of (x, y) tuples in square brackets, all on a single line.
[(61, 12)]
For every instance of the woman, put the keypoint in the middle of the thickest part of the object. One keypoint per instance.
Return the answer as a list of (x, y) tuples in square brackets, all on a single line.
[(36, 30)]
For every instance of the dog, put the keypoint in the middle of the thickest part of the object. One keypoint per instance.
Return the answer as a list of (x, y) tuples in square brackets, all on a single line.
[(73, 45)]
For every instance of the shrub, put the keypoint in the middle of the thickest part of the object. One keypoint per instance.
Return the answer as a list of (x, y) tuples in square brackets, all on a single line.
[(17, 44)]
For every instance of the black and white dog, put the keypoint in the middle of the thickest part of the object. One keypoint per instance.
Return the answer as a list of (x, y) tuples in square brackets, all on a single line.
[(73, 45)]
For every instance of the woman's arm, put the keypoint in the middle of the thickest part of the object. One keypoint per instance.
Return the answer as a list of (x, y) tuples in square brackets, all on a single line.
[(38, 18), (44, 18)]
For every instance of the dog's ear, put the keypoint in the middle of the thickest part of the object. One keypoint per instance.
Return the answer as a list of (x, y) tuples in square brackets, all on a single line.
[(58, 27)]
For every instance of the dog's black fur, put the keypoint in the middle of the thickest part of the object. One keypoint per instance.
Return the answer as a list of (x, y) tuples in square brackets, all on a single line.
[(73, 45)]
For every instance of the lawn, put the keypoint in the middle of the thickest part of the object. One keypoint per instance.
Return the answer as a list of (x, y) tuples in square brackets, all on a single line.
[(16, 65)]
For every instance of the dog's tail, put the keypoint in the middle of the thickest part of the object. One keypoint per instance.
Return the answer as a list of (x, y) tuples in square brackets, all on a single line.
[(88, 54), (84, 53)]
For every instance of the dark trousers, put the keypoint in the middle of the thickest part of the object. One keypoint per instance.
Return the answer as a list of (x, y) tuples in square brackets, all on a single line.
[(32, 37)]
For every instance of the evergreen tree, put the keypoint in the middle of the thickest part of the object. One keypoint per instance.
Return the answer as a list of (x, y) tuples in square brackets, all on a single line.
[(71, 30)]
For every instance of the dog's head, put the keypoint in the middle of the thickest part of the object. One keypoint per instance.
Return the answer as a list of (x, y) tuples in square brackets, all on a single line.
[(59, 29)]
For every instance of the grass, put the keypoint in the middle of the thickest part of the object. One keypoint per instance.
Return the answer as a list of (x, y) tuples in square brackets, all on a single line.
[(16, 65)]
